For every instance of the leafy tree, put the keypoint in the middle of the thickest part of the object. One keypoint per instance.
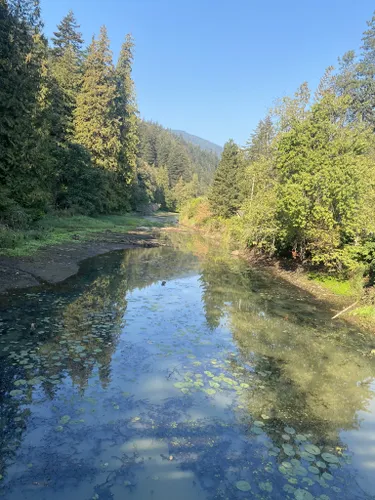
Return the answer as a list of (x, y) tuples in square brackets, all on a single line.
[(325, 173), (225, 197)]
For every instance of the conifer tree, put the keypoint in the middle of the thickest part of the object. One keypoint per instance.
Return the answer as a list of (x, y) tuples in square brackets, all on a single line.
[(67, 36), (225, 196), (66, 62), (21, 148), (127, 112), (95, 123)]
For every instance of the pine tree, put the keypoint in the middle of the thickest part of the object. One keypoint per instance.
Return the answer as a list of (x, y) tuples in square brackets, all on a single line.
[(179, 165), (67, 36), (365, 95), (128, 112), (66, 63), (225, 196), (96, 125), (21, 146), (259, 144)]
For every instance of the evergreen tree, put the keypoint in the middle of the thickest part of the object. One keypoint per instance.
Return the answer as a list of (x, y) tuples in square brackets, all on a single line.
[(224, 197), (365, 94), (178, 164), (66, 62), (128, 113), (67, 37), (96, 126), (21, 146)]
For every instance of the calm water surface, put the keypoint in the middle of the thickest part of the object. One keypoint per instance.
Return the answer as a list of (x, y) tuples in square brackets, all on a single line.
[(225, 383)]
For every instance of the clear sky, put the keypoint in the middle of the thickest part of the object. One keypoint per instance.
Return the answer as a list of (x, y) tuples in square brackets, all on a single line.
[(214, 67)]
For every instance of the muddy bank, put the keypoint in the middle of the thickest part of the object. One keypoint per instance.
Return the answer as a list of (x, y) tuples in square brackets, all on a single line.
[(56, 263)]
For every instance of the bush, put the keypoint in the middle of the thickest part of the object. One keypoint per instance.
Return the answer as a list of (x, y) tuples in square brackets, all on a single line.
[(196, 212)]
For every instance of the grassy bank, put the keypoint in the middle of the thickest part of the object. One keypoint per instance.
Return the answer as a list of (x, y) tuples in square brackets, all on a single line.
[(55, 229)]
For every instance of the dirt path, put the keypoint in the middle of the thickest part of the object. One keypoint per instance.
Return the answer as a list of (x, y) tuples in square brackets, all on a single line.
[(56, 263)]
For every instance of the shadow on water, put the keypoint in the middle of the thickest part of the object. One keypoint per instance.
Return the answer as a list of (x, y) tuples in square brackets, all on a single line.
[(224, 383)]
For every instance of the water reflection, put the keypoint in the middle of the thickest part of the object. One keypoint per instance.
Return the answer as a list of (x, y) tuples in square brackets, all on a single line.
[(225, 383)]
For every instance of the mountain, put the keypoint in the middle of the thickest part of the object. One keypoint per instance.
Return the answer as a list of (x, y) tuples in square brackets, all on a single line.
[(198, 141)]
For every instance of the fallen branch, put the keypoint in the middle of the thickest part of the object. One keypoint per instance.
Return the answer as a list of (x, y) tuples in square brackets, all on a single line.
[(346, 309)]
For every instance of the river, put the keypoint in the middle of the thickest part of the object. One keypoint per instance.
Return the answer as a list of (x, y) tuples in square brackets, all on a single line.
[(224, 382)]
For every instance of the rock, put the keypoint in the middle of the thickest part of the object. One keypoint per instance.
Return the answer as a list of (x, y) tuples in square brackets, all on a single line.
[(163, 283)]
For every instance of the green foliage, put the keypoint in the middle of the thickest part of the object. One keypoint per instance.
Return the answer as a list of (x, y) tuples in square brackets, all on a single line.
[(96, 125), (324, 175), (180, 170), (196, 211), (128, 114), (224, 197)]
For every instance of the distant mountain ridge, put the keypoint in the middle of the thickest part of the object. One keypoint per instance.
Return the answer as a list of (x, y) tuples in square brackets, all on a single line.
[(198, 141)]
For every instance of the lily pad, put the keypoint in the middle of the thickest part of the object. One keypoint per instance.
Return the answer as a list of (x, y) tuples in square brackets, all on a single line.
[(301, 494), (210, 392), (266, 486), (256, 430), (243, 486), (289, 430), (258, 423), (312, 449), (288, 450), (314, 470), (331, 459), (301, 437), (288, 488), (321, 464), (286, 437), (65, 419), (16, 392), (307, 456), (327, 476)]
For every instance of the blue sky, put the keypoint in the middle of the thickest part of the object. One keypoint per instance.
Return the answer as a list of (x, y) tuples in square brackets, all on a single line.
[(213, 68)]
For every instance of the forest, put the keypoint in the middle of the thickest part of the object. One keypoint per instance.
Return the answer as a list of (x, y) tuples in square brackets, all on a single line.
[(71, 137), (303, 187)]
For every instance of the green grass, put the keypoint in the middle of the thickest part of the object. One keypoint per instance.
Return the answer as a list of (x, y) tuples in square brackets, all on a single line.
[(55, 229), (346, 288), (364, 312)]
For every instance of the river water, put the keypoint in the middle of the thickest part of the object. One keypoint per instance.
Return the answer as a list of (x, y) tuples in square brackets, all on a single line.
[(224, 383)]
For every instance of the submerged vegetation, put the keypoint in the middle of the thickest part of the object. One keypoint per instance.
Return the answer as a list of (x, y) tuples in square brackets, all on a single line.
[(127, 395)]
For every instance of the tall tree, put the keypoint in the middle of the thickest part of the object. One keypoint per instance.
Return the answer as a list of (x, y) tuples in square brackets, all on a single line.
[(21, 149), (67, 36), (66, 62), (96, 126), (225, 197), (325, 175), (127, 111)]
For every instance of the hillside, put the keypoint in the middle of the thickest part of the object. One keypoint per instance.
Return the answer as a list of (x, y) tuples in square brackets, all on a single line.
[(198, 141)]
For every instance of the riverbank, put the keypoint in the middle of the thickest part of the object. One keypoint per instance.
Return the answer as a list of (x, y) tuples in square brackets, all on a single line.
[(56, 255), (337, 293)]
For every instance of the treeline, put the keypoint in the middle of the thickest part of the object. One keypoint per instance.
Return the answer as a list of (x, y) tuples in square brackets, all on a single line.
[(70, 134), (304, 185), (171, 170)]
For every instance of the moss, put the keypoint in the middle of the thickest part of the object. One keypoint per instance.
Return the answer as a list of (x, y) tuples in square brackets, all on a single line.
[(55, 229)]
